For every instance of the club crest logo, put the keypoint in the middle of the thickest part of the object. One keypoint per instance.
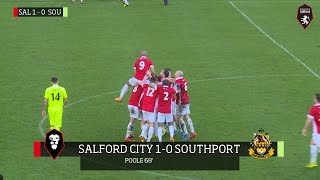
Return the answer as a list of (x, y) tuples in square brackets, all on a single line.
[(54, 143), (304, 15), (260, 145)]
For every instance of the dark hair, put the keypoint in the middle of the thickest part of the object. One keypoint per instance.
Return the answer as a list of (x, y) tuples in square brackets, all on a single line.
[(317, 96), (154, 79), (54, 79), (165, 82), (166, 73)]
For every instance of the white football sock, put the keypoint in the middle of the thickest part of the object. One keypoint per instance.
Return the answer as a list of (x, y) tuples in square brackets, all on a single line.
[(174, 126), (160, 134), (171, 131), (144, 131), (142, 127), (313, 153), (156, 128), (124, 90), (190, 125), (184, 127), (129, 129), (150, 133)]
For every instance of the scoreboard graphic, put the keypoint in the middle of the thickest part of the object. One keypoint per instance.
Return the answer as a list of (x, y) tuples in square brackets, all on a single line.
[(40, 11)]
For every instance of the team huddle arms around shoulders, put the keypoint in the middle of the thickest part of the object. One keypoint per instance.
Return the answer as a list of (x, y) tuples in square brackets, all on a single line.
[(161, 103), (158, 102)]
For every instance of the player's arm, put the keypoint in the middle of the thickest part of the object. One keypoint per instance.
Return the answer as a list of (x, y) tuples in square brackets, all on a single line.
[(65, 101), (44, 107), (134, 70), (152, 85), (65, 98), (171, 80), (152, 69), (306, 125), (44, 103), (177, 88), (174, 93), (135, 65)]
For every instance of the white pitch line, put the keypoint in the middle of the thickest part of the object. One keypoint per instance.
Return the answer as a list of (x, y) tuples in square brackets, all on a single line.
[(274, 41), (201, 80)]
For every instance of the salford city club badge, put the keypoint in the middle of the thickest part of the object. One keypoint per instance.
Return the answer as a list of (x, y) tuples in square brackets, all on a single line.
[(260, 146), (54, 143), (304, 15)]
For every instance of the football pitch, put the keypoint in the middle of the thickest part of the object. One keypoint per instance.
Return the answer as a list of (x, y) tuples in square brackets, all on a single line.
[(250, 66)]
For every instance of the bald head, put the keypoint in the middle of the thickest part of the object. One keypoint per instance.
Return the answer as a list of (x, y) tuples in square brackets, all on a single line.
[(178, 74), (143, 53)]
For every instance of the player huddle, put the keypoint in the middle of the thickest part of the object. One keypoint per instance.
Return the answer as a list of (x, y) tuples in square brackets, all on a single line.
[(157, 101)]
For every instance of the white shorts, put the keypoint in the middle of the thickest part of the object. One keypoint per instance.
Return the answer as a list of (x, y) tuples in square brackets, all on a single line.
[(162, 117), (183, 109), (150, 116), (134, 82), (134, 111), (173, 108), (316, 138)]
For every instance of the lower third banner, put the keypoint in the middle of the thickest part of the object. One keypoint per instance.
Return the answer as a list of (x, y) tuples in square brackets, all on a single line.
[(158, 156)]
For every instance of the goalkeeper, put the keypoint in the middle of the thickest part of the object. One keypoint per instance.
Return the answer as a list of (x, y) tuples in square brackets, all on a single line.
[(56, 98)]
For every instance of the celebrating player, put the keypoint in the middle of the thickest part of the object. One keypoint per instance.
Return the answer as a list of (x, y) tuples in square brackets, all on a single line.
[(166, 75), (141, 66), (149, 98), (133, 105), (314, 118), (56, 98), (165, 94), (184, 103)]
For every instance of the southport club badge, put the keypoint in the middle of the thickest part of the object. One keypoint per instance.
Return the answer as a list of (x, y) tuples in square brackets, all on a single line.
[(260, 145), (304, 15)]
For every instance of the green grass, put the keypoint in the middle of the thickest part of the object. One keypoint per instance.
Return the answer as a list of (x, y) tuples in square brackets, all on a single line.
[(92, 52)]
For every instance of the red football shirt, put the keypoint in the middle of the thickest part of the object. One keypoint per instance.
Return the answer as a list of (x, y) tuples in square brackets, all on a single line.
[(142, 65), (182, 97), (314, 114), (135, 95), (165, 94), (170, 85), (149, 98)]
